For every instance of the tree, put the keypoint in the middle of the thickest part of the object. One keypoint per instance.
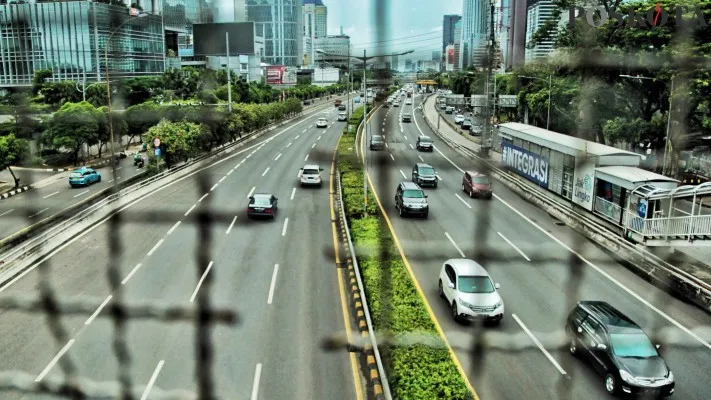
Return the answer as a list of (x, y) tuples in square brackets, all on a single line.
[(74, 125), (11, 150), (140, 89), (57, 93), (119, 126), (39, 79), (179, 140), (141, 117)]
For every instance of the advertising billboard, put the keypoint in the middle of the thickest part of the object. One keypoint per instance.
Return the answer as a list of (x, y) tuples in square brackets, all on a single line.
[(583, 189), (529, 165), (275, 74), (210, 39), (450, 54), (289, 76)]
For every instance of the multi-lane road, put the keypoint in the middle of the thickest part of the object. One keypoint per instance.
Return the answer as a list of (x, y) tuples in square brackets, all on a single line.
[(539, 266), (55, 194), (280, 276)]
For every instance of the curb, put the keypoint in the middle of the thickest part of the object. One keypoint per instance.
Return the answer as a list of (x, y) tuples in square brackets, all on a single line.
[(15, 192)]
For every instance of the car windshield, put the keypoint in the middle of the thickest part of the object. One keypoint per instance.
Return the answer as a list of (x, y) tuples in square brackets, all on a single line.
[(414, 194), (482, 180), (76, 174), (261, 201), (427, 171), (321, 120), (376, 139), (632, 345), (475, 284), (459, 116), (310, 171), (425, 140)]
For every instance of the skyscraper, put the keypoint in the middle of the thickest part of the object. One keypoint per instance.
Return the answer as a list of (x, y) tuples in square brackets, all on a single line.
[(280, 23), (178, 18), (315, 24), (475, 17), (436, 55), (448, 29), (539, 13)]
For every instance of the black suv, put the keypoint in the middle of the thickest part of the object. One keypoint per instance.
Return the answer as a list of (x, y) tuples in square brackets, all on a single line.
[(406, 118), (424, 174), (619, 350), (410, 199), (424, 143)]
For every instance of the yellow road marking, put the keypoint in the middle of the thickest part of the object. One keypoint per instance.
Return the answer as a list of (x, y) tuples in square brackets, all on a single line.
[(341, 289)]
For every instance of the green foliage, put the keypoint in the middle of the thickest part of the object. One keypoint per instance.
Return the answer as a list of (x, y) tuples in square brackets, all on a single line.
[(141, 117), (11, 151), (415, 371), (74, 125), (179, 140)]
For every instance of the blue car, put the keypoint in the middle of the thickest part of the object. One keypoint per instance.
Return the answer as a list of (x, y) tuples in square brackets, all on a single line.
[(84, 177)]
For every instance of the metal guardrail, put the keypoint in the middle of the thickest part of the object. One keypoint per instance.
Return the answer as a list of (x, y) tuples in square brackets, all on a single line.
[(29, 245), (701, 288)]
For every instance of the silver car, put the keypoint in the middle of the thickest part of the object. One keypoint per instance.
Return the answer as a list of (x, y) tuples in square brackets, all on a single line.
[(310, 175), (470, 292)]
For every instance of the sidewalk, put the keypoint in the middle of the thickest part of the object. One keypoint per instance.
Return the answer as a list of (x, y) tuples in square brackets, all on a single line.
[(696, 260)]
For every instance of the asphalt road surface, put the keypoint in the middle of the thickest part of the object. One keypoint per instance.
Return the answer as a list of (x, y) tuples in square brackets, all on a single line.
[(285, 311), (530, 256), (27, 208)]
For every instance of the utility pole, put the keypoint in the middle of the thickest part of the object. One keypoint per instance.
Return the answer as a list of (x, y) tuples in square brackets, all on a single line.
[(229, 75), (487, 136), (365, 132)]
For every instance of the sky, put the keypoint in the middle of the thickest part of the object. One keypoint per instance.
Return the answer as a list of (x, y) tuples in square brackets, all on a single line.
[(406, 24)]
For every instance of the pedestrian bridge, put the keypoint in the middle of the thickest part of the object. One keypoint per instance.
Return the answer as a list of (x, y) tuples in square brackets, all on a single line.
[(669, 217)]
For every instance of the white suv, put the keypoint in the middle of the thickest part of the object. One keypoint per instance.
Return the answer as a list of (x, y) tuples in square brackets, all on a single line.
[(311, 175), (470, 292)]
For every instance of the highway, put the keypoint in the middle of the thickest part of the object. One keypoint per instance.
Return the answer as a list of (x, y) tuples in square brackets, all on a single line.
[(280, 276), (530, 256), (53, 195)]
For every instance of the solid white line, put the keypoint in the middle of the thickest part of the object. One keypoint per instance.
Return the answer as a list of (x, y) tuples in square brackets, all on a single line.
[(439, 177), (461, 253), (50, 195), (98, 310), (191, 208), (160, 242), (255, 385), (283, 230), (222, 179), (420, 157), (293, 192), (306, 158), (277, 157), (540, 346), (411, 146), (7, 212), (462, 200), (213, 187), (203, 197), (231, 225), (80, 194), (251, 192), (152, 381), (288, 144), (403, 174), (265, 171), (39, 212), (273, 284), (130, 274), (54, 361), (514, 246), (391, 156), (202, 278), (297, 136), (313, 145)]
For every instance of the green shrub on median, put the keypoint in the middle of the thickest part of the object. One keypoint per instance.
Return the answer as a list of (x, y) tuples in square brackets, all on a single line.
[(414, 371)]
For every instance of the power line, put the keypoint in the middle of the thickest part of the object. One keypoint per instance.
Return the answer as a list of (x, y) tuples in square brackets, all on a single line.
[(404, 43), (400, 38)]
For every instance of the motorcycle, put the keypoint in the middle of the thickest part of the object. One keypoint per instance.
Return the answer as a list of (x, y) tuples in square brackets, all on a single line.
[(138, 162)]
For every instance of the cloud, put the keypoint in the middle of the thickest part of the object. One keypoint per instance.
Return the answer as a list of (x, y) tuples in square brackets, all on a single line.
[(437, 28)]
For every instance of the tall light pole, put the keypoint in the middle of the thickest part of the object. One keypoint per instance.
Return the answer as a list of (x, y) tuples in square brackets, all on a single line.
[(550, 87), (667, 140), (135, 13)]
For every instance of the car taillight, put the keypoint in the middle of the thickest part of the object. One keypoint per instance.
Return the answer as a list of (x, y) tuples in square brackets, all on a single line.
[(267, 210), (250, 209)]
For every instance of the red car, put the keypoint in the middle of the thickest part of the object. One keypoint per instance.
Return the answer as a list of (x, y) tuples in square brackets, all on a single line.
[(476, 184)]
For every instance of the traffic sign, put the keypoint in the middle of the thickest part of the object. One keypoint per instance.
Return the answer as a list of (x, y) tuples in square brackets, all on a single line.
[(156, 142)]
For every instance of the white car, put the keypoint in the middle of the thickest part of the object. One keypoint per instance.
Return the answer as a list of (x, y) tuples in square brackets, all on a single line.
[(470, 292), (458, 119), (342, 116), (408, 101), (310, 175), (321, 123)]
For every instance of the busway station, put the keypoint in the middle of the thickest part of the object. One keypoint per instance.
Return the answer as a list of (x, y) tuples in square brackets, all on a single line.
[(648, 208)]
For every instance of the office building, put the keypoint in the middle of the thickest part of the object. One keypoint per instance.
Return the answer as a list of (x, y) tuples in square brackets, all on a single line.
[(475, 24), (448, 29), (335, 45), (409, 67), (437, 55), (395, 62), (457, 45), (315, 22), (280, 23), (538, 13), (502, 27), (69, 38), (178, 18)]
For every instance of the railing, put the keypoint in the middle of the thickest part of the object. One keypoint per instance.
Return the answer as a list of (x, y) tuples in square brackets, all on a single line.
[(697, 225), (608, 209)]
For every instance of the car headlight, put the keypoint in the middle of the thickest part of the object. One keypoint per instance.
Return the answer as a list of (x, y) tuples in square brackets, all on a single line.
[(627, 377), (465, 304), (498, 305), (670, 378)]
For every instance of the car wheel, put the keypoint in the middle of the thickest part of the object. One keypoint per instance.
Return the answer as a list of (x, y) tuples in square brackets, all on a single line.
[(471, 193), (427, 214), (99, 180), (610, 384), (440, 290), (463, 188), (455, 313), (573, 348), (435, 186)]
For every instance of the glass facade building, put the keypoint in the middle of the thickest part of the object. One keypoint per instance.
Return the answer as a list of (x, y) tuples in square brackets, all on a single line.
[(70, 38), (179, 17), (280, 23)]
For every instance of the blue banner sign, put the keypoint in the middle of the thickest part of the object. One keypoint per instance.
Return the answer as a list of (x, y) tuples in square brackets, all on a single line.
[(529, 165)]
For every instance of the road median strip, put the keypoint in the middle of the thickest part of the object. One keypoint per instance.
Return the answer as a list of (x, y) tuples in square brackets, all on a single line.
[(414, 371)]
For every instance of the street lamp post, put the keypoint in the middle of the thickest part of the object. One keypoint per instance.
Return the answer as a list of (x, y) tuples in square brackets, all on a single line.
[(667, 140), (550, 86), (137, 14)]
